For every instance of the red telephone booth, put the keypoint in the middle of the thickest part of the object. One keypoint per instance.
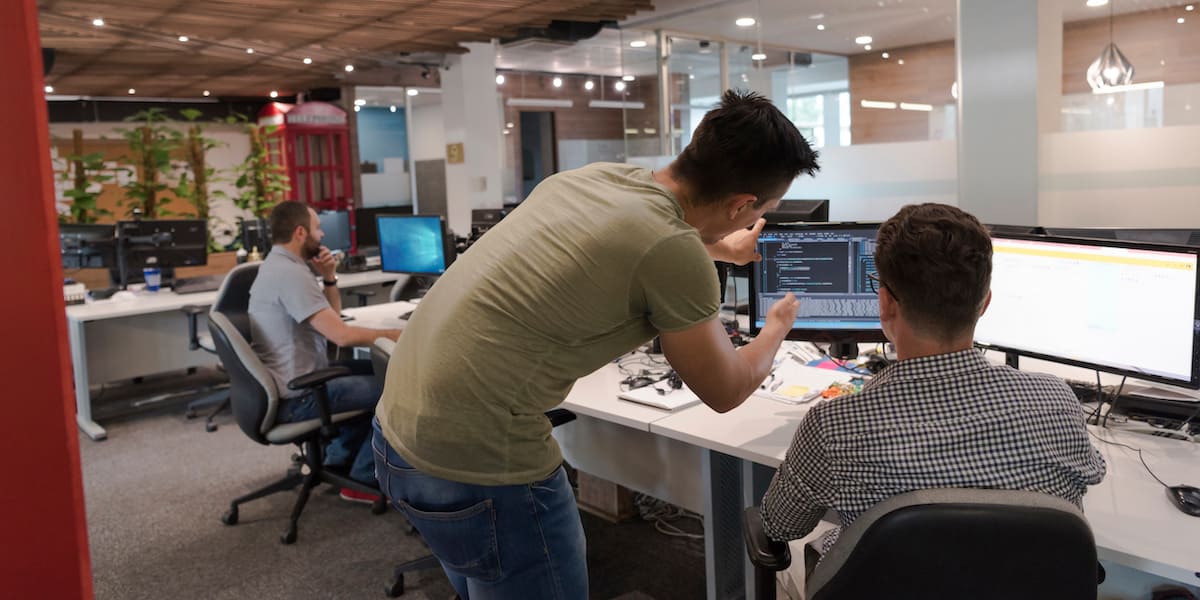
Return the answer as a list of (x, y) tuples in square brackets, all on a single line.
[(313, 141)]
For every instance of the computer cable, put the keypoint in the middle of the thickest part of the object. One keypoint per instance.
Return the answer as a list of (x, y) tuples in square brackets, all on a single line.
[(663, 515), (1139, 453)]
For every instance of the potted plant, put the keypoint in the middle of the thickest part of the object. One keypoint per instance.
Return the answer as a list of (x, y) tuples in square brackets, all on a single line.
[(86, 172), (151, 145)]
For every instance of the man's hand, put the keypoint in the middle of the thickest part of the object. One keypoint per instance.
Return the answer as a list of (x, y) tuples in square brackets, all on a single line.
[(739, 247), (783, 312), (325, 264)]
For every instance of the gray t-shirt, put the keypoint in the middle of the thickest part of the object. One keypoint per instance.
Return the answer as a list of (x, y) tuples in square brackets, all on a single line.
[(284, 295)]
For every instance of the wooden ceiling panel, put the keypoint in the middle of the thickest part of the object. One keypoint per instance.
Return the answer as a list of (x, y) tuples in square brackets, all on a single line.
[(138, 45)]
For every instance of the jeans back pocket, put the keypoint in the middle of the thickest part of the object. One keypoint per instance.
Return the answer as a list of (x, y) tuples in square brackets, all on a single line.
[(463, 540)]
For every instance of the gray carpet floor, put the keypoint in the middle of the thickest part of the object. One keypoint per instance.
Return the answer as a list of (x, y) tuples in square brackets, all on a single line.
[(155, 491)]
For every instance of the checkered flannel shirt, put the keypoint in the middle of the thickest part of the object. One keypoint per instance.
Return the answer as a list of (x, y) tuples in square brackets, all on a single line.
[(947, 421)]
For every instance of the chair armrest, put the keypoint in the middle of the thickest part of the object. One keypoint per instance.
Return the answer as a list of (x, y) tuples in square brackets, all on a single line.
[(192, 311), (317, 378), (559, 416), (764, 552)]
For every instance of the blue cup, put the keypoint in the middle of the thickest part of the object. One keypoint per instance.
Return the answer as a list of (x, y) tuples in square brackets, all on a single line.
[(153, 277)]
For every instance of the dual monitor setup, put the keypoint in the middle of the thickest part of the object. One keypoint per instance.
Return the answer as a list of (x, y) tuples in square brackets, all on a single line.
[(1115, 303), (129, 246)]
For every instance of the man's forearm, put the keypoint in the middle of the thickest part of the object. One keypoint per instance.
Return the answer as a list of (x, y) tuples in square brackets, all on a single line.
[(334, 297)]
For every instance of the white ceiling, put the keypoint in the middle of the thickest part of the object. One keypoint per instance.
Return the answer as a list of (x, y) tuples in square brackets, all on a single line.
[(793, 23)]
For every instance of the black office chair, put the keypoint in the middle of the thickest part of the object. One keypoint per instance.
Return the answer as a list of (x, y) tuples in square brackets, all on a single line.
[(947, 543), (381, 351), (255, 402), (233, 297)]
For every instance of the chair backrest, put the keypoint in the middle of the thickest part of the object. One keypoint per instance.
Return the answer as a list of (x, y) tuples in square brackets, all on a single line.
[(381, 351), (233, 298), (401, 290), (962, 543), (252, 392)]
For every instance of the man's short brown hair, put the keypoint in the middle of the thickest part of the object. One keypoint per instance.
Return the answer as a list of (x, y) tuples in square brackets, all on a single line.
[(285, 218), (936, 260)]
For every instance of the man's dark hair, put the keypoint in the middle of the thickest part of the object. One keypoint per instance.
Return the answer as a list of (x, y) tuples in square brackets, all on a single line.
[(285, 218), (936, 260), (744, 146)]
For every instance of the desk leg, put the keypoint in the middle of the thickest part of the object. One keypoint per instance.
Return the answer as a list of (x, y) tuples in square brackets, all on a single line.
[(83, 398), (723, 546), (755, 480)]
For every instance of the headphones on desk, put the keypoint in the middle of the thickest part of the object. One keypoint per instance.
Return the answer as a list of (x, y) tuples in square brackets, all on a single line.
[(673, 381)]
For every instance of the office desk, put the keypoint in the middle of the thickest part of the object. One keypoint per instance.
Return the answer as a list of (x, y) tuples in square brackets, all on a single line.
[(121, 339), (380, 316)]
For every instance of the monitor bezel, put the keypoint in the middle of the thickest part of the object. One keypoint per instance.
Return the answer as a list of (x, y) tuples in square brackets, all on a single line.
[(447, 245), (816, 335), (1192, 383)]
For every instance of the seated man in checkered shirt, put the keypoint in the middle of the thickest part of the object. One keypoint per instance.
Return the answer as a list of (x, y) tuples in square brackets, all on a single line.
[(942, 416)]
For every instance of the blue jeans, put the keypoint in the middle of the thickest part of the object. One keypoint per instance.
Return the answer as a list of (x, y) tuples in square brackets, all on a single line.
[(494, 542), (359, 391)]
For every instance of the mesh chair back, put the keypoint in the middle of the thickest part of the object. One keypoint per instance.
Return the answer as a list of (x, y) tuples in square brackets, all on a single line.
[(233, 298), (252, 390), (962, 543)]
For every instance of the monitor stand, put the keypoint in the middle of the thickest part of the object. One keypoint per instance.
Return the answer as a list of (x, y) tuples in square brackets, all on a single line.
[(843, 350)]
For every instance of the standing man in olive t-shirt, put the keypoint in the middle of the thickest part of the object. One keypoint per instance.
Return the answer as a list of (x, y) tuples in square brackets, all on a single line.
[(596, 262)]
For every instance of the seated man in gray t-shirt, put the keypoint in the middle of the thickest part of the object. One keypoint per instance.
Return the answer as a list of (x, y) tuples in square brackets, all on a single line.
[(292, 316)]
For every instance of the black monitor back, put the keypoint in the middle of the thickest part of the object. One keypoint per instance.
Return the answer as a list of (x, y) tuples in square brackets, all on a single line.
[(366, 230), (87, 246), (159, 243), (256, 233), (791, 211)]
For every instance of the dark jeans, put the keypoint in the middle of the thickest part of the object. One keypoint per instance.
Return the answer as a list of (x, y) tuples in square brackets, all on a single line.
[(494, 542), (352, 446)]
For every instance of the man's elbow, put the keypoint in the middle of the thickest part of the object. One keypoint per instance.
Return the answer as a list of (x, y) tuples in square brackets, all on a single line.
[(722, 403)]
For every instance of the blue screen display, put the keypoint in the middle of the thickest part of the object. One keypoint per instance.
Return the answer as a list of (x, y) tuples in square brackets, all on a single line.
[(412, 244)]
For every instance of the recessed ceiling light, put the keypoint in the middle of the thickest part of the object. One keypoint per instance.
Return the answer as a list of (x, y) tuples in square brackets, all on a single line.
[(1180, 20), (691, 75), (556, 82), (98, 22), (1190, 7), (183, 38), (820, 27), (249, 50), (307, 60), (863, 39), (745, 22), (1095, 3), (619, 86), (637, 44), (357, 108), (901, 61), (49, 89), (349, 68), (132, 91), (758, 56), (886, 55), (817, 16), (628, 78), (589, 85), (509, 125), (360, 102), (499, 80), (412, 91), (207, 93), (392, 108), (274, 94), (867, 47)]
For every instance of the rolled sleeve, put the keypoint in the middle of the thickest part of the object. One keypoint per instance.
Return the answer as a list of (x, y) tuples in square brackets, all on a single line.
[(802, 489), (302, 298)]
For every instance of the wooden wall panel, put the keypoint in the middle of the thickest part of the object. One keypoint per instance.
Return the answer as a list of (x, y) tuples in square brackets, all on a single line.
[(925, 77), (1159, 48)]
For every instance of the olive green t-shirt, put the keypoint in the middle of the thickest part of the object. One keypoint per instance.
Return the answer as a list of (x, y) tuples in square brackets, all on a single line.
[(593, 264)]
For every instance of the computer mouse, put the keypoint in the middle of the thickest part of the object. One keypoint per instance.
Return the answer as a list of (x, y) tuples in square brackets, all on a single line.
[(1186, 498)]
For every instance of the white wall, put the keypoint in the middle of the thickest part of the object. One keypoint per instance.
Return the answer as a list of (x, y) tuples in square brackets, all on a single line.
[(1121, 178), (573, 154), (871, 182), (471, 116), (235, 145), (427, 140)]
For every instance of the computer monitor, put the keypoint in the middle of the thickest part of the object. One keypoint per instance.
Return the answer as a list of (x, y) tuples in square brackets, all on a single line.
[(165, 244), (1171, 236), (1123, 307), (414, 244), (336, 225), (256, 233), (366, 234), (1019, 229), (87, 246), (826, 267), (792, 211)]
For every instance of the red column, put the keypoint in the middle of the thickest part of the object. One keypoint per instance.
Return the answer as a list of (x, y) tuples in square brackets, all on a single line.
[(43, 531)]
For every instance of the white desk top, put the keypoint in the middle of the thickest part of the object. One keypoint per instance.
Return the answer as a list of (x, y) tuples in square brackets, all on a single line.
[(380, 316), (760, 430), (166, 300), (596, 396)]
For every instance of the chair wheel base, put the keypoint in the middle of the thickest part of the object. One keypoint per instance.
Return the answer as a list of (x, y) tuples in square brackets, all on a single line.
[(230, 518), (379, 507), (210, 427), (288, 538), (396, 588)]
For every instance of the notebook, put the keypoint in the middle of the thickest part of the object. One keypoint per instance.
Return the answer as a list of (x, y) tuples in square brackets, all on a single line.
[(669, 400)]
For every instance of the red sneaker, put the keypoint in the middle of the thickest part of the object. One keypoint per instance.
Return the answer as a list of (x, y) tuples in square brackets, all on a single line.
[(357, 496)]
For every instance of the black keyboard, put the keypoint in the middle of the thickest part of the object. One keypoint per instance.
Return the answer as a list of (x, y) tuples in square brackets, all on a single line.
[(195, 285)]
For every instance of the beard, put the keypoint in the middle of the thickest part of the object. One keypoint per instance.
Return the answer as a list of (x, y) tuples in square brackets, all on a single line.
[(311, 249)]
